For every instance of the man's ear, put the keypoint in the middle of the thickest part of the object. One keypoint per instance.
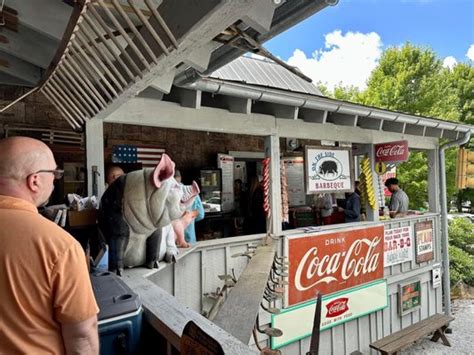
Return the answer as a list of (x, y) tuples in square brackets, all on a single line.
[(33, 182)]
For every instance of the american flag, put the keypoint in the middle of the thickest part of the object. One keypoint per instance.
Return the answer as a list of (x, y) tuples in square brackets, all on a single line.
[(148, 156)]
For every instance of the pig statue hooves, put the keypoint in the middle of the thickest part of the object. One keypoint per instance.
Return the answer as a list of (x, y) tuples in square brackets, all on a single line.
[(170, 258), (152, 265)]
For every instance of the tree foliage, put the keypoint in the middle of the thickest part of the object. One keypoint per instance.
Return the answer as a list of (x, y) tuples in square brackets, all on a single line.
[(412, 80)]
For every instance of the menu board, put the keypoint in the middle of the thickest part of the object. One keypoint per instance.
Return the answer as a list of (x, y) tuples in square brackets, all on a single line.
[(295, 176), (226, 164)]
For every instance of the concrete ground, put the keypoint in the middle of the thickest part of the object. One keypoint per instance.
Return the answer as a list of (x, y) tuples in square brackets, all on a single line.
[(461, 339)]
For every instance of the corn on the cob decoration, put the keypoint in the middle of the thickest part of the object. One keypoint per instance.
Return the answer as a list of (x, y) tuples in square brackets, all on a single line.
[(366, 184)]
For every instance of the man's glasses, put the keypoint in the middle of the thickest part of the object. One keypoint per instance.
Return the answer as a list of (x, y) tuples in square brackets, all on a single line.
[(58, 173)]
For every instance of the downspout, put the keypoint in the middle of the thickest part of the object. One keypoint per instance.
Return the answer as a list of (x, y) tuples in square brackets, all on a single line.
[(444, 218)]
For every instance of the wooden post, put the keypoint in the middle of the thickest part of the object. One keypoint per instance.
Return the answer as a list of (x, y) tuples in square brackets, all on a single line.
[(272, 150), (95, 155)]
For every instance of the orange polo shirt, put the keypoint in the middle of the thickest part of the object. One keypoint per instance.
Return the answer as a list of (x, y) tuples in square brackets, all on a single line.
[(44, 281)]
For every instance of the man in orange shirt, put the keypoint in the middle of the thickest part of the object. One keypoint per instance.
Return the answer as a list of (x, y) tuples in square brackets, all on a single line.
[(47, 305)]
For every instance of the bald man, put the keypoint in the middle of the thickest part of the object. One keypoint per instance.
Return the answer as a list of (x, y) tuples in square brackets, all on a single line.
[(47, 304), (113, 173)]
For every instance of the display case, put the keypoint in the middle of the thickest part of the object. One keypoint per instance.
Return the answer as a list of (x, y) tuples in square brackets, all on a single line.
[(211, 190)]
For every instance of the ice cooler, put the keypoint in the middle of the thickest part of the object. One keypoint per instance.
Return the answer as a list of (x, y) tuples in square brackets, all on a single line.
[(120, 316)]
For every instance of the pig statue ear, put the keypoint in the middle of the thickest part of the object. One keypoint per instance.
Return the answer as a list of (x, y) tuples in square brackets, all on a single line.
[(164, 170)]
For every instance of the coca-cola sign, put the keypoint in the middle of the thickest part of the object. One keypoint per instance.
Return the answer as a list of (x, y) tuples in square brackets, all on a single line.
[(337, 307), (392, 151), (333, 261)]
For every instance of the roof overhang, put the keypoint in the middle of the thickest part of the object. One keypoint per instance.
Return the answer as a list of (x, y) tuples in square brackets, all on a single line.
[(116, 48)]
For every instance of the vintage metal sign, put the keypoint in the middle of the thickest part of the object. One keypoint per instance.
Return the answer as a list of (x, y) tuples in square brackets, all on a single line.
[(296, 322), (329, 262), (409, 297), (328, 169), (398, 246), (391, 151), (424, 241)]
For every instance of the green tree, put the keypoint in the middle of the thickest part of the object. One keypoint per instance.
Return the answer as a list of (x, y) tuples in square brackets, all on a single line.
[(461, 83), (412, 79)]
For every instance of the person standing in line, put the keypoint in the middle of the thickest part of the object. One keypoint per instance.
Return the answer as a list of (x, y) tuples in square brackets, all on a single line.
[(256, 214), (113, 173), (198, 215), (399, 202), (352, 209), (47, 304), (323, 203)]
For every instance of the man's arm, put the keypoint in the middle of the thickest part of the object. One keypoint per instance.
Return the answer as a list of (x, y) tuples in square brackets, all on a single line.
[(81, 338)]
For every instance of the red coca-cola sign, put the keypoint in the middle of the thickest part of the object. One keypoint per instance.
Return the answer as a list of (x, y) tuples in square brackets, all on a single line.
[(392, 151), (337, 307), (331, 262)]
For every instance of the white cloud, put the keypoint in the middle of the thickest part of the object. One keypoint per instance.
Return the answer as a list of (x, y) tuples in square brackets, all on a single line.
[(347, 59), (470, 52), (449, 62)]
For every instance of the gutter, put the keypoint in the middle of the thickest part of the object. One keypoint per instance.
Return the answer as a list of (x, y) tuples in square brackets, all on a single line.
[(313, 102), (444, 218)]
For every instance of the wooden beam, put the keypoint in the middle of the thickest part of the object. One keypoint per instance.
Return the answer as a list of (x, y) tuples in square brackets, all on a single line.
[(239, 311)]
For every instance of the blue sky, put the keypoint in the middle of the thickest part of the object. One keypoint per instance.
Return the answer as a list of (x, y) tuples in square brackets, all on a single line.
[(367, 27)]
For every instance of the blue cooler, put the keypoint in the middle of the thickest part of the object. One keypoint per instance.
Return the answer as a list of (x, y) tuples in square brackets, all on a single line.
[(120, 316)]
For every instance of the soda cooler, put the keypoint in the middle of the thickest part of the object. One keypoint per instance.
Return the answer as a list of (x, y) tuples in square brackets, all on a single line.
[(120, 315)]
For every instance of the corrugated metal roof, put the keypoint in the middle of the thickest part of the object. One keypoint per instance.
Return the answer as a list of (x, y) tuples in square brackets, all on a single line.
[(253, 71)]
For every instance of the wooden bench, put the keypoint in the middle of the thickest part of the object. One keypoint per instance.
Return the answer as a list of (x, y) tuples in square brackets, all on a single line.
[(395, 342)]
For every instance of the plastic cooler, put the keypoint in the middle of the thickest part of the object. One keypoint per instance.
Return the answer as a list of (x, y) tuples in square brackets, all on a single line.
[(120, 316)]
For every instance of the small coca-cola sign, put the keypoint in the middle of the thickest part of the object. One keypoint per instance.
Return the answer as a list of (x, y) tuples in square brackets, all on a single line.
[(337, 307), (391, 151)]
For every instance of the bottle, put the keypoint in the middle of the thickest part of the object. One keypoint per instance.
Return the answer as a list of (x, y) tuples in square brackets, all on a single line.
[(386, 212)]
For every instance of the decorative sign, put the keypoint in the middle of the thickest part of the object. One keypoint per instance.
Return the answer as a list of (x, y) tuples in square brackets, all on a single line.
[(333, 261), (424, 241), (226, 163), (391, 151), (196, 341), (391, 173), (295, 177), (328, 169), (436, 275), (296, 322), (398, 246), (409, 297), (380, 168)]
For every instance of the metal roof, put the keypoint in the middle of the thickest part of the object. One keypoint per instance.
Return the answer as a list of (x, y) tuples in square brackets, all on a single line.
[(263, 72)]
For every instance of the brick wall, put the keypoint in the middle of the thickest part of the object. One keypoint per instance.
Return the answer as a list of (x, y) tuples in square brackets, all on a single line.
[(189, 149), (34, 110)]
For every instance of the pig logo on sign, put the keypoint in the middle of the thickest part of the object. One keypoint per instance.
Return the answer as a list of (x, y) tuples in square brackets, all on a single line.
[(329, 168), (136, 215)]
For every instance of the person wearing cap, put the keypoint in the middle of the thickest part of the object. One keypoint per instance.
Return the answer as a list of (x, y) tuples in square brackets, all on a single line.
[(197, 208), (399, 202)]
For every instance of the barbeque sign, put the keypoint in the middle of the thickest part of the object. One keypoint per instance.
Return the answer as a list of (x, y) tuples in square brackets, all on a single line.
[(328, 169), (329, 262)]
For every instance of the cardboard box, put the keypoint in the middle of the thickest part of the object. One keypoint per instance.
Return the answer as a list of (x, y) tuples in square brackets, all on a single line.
[(82, 218)]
